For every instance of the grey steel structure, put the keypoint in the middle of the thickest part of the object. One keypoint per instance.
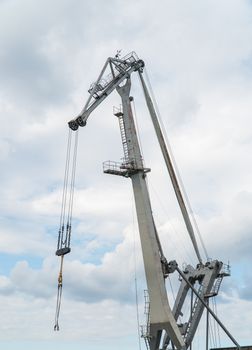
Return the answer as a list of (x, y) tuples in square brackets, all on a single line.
[(242, 348), (162, 326)]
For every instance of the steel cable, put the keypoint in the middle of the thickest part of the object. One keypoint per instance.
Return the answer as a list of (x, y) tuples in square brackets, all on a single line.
[(175, 165), (64, 237), (59, 295)]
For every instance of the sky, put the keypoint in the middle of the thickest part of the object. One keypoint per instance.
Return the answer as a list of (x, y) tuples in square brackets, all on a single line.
[(198, 57)]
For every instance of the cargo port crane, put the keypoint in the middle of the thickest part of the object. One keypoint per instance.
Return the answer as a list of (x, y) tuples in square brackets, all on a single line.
[(163, 328)]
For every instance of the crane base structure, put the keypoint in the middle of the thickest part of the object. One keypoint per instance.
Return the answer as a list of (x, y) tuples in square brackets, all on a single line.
[(242, 348), (163, 328)]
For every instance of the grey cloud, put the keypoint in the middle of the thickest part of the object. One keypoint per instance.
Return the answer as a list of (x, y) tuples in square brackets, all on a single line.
[(32, 282), (43, 48), (245, 290), (112, 279), (228, 234), (50, 53)]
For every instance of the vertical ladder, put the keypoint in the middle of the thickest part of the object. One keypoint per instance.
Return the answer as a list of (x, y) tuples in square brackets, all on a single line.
[(195, 305), (145, 329), (216, 286), (225, 271), (119, 114)]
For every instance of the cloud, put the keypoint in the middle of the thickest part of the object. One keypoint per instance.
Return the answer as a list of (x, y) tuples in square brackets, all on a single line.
[(231, 229), (112, 278), (198, 59)]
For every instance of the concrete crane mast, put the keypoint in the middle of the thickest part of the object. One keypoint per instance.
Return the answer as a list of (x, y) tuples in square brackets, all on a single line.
[(163, 328)]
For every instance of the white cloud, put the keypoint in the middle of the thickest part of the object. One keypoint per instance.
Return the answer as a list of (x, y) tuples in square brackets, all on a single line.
[(198, 57)]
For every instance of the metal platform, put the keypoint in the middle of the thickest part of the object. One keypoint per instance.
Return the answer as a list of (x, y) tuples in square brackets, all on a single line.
[(125, 169)]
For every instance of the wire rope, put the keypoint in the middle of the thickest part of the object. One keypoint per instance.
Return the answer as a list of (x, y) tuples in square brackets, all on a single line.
[(137, 129), (135, 277), (173, 296), (189, 256), (212, 335), (64, 234), (59, 296), (215, 326), (71, 196), (218, 327), (149, 182), (175, 165), (64, 192)]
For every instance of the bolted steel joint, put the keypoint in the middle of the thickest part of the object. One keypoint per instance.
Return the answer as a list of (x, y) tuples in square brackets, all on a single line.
[(80, 121), (172, 266), (139, 65), (73, 125)]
